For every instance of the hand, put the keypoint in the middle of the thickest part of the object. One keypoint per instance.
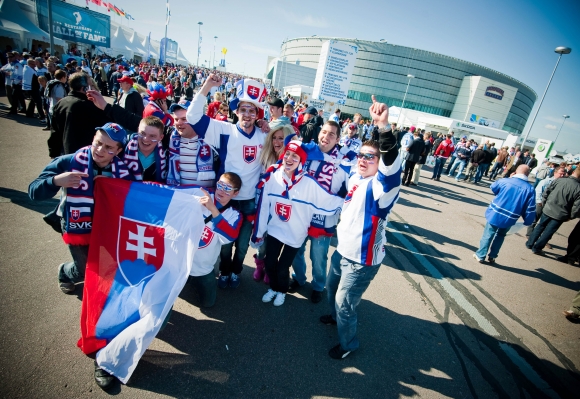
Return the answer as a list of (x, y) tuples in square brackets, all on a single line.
[(69, 179), (257, 244), (207, 202), (97, 98), (379, 113), (212, 80), (263, 125), (163, 104)]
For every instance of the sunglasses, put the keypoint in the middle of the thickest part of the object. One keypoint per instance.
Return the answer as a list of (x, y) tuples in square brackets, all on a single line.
[(225, 187), (366, 157)]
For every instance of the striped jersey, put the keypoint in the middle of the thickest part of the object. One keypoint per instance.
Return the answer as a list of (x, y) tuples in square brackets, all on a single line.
[(361, 231)]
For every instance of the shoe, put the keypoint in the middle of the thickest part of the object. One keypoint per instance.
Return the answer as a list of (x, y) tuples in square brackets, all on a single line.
[(477, 259), (457, 180), (539, 253), (234, 280), (438, 179), (316, 296), (223, 281), (260, 269), (328, 320), (490, 260), (338, 353), (406, 184), (564, 259), (46, 128), (43, 121), (280, 298), (294, 286), (413, 184), (570, 315), (103, 379), (64, 283), (528, 246), (12, 113), (268, 296)]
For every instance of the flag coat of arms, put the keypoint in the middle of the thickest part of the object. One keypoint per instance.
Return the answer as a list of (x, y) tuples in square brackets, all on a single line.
[(142, 246)]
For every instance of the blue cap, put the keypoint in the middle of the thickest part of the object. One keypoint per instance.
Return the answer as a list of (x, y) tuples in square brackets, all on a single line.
[(115, 132), (183, 104)]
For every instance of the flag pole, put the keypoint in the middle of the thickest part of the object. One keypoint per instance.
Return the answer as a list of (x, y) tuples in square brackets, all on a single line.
[(166, 24)]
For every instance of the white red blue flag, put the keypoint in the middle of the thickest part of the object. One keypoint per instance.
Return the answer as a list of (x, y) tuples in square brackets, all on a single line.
[(141, 251)]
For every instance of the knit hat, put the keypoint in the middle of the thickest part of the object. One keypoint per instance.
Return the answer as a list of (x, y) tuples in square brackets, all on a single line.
[(251, 91), (412, 129), (156, 91)]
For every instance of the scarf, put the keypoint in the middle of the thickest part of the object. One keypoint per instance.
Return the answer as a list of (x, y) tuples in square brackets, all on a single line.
[(80, 204), (131, 159), (296, 176), (203, 161)]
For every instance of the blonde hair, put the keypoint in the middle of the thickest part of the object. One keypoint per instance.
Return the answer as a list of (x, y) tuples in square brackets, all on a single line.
[(268, 155), (217, 96)]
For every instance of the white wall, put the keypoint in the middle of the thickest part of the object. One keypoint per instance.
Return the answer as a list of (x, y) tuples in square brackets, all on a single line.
[(287, 74)]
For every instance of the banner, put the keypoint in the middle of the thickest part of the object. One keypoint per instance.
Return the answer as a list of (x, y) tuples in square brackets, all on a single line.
[(143, 241), (480, 120), (75, 24), (168, 51), (334, 71), (149, 48)]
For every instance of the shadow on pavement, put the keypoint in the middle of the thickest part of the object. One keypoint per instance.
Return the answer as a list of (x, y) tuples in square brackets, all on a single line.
[(415, 191), (20, 198), (405, 202), (450, 194), (431, 236), (542, 274)]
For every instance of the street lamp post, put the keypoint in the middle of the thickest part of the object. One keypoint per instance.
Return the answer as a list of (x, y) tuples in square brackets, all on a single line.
[(565, 117), (213, 63), (198, 41), (404, 98), (559, 50)]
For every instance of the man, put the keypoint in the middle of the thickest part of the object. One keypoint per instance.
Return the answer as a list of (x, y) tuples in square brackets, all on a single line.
[(414, 151), (442, 152), (114, 81), (144, 154), (130, 98), (493, 155), (515, 160), (540, 188), (372, 192), (320, 118), (309, 128), (74, 119), (276, 108), (351, 141), (239, 148), (191, 159), (289, 113), (85, 68), (561, 203), (332, 174), (514, 197), (157, 105), (477, 157), (531, 161), (485, 162), (336, 116), (453, 157), (462, 156), (32, 89), (573, 249), (543, 172), (16, 76), (500, 161)]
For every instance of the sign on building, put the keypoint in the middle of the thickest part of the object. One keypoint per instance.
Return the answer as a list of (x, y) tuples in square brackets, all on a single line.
[(334, 71), (75, 24), (480, 120)]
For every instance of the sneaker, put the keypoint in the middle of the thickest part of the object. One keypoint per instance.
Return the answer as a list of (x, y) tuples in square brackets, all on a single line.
[(316, 296), (64, 283), (490, 259), (477, 259), (46, 128), (268, 296), (280, 298), (234, 281), (457, 180), (328, 320), (294, 286), (338, 353), (223, 281)]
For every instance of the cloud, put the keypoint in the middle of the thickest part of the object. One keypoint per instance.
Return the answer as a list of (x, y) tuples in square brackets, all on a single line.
[(551, 127), (558, 121), (308, 20)]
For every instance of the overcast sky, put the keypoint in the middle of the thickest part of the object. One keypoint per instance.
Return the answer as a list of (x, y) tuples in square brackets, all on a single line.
[(515, 37)]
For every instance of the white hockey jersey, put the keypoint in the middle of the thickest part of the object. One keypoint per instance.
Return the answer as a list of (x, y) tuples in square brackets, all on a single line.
[(239, 152), (361, 231), (291, 214)]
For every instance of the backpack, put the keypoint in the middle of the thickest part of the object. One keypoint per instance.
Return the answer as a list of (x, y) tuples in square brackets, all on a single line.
[(436, 144), (50, 86)]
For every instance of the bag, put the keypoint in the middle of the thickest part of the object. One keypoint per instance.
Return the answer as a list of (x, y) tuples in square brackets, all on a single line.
[(430, 162), (50, 86)]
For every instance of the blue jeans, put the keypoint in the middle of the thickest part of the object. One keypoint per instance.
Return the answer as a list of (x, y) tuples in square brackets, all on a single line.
[(492, 240), (206, 287), (497, 168), (543, 232), (462, 163), (451, 162), (481, 168), (346, 283), (439, 162), (74, 271), (227, 264), (319, 257)]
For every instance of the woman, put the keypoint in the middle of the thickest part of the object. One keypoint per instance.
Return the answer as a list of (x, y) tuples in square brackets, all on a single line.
[(222, 114), (288, 200), (177, 90), (214, 106), (273, 146)]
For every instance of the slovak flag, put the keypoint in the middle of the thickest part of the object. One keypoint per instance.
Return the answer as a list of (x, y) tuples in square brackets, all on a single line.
[(142, 246)]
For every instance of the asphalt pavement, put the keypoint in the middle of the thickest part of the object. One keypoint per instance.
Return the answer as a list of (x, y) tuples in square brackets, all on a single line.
[(433, 323)]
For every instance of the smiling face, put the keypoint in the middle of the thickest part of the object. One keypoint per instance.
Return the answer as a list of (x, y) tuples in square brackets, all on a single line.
[(278, 141), (247, 114), (290, 162), (368, 161), (149, 136), (180, 122), (225, 190), (327, 138)]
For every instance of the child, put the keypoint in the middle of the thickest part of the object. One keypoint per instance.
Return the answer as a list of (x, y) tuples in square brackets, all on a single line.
[(144, 154), (75, 174), (291, 198)]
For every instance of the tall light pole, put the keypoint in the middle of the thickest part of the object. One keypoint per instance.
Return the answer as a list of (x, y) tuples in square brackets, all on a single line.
[(166, 25), (198, 41), (404, 98), (213, 63), (556, 139), (559, 50)]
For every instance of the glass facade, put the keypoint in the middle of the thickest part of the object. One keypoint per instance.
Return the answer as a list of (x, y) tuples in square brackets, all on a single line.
[(381, 69)]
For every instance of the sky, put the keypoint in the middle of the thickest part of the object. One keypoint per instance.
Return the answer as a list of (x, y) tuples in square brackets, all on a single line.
[(515, 37)]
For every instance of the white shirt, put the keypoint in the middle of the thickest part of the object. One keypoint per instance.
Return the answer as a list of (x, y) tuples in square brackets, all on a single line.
[(187, 163)]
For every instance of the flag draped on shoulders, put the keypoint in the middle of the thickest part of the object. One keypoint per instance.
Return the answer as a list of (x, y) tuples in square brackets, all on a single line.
[(140, 255)]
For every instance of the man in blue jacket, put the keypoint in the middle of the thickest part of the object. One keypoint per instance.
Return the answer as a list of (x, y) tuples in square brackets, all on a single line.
[(514, 197)]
